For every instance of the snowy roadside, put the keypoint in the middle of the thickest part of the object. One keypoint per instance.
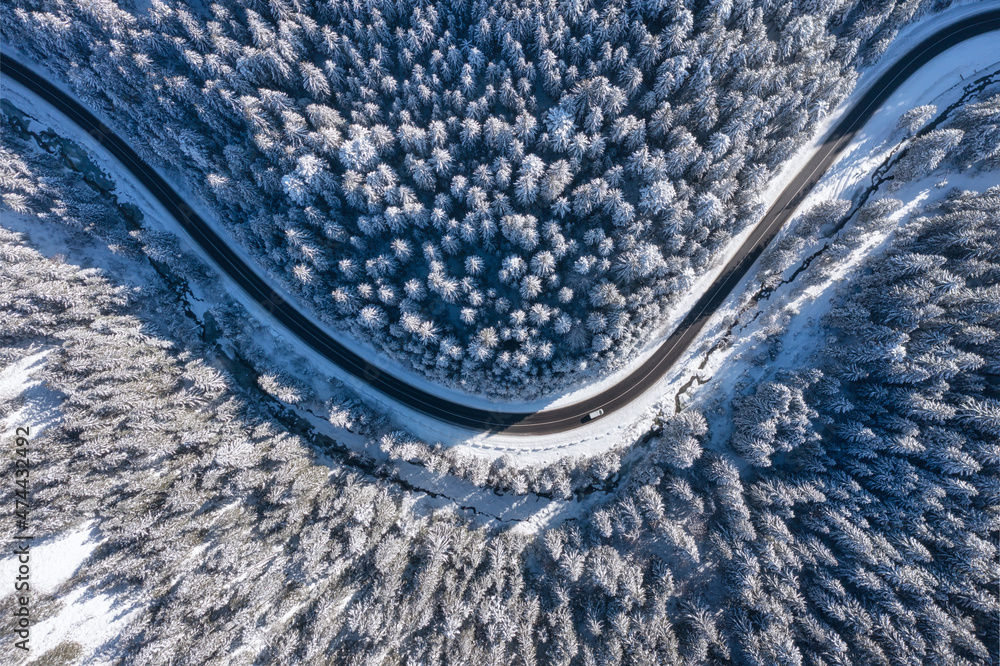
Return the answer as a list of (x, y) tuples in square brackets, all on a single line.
[(796, 312), (908, 36), (324, 404), (939, 82), (786, 328)]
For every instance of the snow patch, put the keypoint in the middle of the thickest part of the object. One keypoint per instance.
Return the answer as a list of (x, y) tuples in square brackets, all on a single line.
[(55, 561), (91, 620), (38, 405)]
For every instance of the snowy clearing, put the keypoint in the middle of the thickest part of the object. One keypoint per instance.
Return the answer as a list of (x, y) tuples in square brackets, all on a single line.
[(91, 620), (38, 406), (54, 561)]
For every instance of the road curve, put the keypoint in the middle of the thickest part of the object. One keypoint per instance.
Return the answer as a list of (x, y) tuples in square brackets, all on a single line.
[(530, 423)]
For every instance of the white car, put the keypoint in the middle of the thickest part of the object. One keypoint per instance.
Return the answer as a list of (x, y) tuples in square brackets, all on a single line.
[(596, 414)]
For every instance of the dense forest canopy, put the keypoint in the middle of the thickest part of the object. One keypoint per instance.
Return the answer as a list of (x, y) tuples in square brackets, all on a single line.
[(851, 517), (509, 197), (462, 184), (878, 470)]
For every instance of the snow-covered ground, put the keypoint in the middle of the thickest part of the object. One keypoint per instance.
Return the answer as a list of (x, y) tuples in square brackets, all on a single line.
[(527, 514), (54, 561), (85, 619), (38, 406)]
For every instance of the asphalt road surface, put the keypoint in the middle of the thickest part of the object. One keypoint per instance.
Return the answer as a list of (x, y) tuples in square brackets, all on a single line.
[(531, 423)]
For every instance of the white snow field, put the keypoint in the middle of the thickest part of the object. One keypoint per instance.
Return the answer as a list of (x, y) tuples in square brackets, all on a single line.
[(54, 561)]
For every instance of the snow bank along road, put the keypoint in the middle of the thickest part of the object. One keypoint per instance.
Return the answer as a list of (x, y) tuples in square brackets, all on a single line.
[(512, 423)]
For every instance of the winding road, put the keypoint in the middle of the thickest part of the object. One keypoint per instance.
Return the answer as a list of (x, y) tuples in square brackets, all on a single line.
[(531, 423)]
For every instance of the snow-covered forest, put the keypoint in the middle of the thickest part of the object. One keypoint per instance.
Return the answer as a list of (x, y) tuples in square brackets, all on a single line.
[(437, 180), (849, 517), (870, 512), (508, 197)]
